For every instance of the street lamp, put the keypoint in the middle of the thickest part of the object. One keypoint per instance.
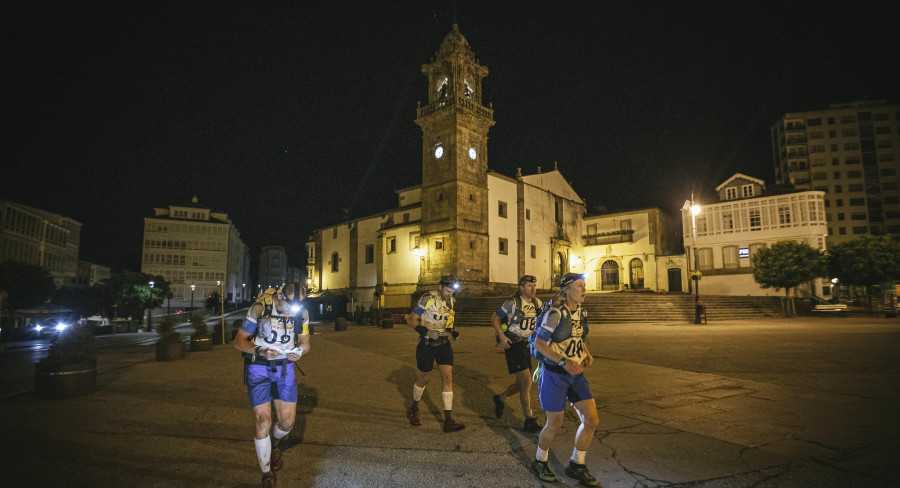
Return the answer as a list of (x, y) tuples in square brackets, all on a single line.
[(149, 315), (695, 276), (222, 302), (192, 297)]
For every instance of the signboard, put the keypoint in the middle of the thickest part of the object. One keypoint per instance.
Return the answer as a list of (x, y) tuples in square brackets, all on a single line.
[(743, 252)]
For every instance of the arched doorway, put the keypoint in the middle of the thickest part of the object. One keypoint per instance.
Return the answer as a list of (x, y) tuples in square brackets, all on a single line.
[(560, 267), (609, 276), (637, 273)]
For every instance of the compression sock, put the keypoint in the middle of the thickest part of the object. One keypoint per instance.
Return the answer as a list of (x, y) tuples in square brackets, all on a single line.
[(263, 452), (542, 455), (278, 435)]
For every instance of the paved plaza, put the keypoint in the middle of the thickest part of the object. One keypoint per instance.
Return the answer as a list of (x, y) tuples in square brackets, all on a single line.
[(778, 403)]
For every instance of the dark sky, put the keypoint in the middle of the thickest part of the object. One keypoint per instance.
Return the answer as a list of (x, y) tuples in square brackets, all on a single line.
[(295, 115)]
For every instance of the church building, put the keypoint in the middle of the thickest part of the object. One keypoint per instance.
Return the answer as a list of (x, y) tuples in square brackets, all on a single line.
[(485, 228)]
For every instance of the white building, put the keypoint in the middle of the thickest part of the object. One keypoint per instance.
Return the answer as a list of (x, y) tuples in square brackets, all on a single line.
[(190, 244), (272, 267), (34, 236), (727, 233)]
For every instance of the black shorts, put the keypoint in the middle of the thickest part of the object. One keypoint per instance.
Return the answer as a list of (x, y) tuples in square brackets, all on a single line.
[(427, 355), (518, 357)]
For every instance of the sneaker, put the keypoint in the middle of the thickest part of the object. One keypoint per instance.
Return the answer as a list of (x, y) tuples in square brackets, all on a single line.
[(580, 473), (413, 415), (542, 471), (499, 405), (276, 461), (531, 426), (450, 425), (268, 480)]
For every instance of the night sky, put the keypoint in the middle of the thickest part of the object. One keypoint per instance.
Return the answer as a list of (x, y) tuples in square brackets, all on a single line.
[(291, 116)]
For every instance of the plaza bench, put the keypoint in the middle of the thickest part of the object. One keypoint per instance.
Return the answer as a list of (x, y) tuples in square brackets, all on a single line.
[(825, 308)]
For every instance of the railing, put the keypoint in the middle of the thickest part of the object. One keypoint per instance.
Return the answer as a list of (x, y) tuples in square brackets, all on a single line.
[(459, 102), (614, 237)]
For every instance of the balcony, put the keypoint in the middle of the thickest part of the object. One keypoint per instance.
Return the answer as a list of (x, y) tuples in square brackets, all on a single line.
[(614, 237), (457, 102)]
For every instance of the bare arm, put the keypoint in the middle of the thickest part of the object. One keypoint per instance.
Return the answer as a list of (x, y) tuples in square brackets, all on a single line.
[(495, 322)]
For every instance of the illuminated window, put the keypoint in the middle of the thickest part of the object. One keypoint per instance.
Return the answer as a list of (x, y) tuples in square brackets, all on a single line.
[(730, 193), (334, 262), (730, 257), (755, 219), (704, 258)]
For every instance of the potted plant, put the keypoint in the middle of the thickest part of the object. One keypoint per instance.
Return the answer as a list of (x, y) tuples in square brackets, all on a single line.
[(200, 339), (169, 345), (70, 367), (340, 324)]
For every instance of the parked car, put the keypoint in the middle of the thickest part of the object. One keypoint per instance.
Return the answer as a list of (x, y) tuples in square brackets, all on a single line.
[(49, 328)]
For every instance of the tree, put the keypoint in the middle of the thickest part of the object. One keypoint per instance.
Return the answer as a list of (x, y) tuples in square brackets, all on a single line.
[(27, 285), (130, 292), (866, 262), (785, 265)]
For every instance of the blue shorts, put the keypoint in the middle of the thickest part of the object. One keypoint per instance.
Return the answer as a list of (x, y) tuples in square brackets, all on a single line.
[(555, 388), (264, 385)]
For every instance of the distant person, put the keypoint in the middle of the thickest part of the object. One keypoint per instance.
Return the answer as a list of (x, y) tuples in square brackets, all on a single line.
[(518, 313), (274, 335), (559, 344), (433, 320)]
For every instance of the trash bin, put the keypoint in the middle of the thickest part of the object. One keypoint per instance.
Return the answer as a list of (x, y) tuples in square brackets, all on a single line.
[(700, 314)]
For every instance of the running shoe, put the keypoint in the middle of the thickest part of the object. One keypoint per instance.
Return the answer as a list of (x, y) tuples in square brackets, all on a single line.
[(580, 473), (413, 415), (542, 471), (531, 426), (450, 425), (499, 405), (268, 480), (276, 462)]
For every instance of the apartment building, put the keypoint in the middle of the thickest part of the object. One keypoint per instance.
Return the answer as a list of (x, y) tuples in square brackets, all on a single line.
[(851, 152), (34, 236)]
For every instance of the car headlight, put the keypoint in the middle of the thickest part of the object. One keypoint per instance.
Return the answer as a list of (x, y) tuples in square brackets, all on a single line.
[(61, 327), (38, 328)]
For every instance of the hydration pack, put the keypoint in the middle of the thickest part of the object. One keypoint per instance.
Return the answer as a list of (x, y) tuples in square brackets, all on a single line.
[(562, 332)]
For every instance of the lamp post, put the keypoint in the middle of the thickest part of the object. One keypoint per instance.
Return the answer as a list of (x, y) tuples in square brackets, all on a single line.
[(695, 209), (222, 302), (192, 297), (149, 315)]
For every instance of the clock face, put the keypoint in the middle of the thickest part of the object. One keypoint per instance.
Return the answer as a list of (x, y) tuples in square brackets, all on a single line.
[(472, 153), (438, 152)]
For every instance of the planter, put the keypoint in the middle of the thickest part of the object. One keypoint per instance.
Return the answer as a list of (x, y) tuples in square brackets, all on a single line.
[(65, 383), (363, 319), (201, 344), (340, 324), (169, 351), (387, 323)]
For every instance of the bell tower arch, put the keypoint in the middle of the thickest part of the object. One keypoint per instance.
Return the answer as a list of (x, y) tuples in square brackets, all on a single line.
[(454, 126)]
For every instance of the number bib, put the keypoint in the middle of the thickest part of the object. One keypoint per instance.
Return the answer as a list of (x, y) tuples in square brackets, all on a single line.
[(573, 346), (528, 320), (276, 332)]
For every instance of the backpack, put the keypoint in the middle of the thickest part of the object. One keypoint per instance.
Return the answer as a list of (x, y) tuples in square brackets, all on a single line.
[(562, 332)]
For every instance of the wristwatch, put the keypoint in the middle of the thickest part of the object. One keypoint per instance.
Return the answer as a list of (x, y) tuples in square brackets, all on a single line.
[(561, 363)]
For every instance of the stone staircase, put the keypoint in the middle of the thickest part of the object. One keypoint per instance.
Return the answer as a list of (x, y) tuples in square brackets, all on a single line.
[(637, 307)]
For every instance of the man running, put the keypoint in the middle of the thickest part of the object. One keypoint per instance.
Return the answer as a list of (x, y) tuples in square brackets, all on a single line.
[(559, 344), (433, 320), (518, 313), (274, 335)]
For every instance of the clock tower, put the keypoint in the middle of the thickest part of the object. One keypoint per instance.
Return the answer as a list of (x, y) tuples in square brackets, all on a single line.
[(454, 166)]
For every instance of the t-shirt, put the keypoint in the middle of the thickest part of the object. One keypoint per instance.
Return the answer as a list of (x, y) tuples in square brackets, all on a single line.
[(437, 314), (521, 323), (571, 347), (278, 330)]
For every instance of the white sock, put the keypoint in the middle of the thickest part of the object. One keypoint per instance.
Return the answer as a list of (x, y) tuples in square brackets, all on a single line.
[(578, 456), (263, 452), (279, 434), (542, 455), (447, 397), (417, 392)]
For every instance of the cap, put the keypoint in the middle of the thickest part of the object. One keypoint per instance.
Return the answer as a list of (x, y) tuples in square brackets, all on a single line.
[(527, 279), (449, 280), (570, 278)]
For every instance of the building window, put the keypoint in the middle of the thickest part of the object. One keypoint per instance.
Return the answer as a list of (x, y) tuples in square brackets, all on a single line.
[(842, 231), (730, 257), (413, 241), (883, 129), (860, 230), (406, 217), (856, 187), (817, 148), (855, 202), (592, 229), (730, 193), (839, 202), (704, 258), (838, 189), (334, 233), (391, 244), (747, 191), (888, 172), (784, 215), (727, 221), (849, 133), (885, 157), (335, 259), (501, 209), (820, 176), (755, 219), (625, 224), (504, 244), (858, 216), (837, 175), (439, 244), (533, 252), (851, 146), (527, 214), (840, 216), (370, 253), (854, 174), (813, 122), (754, 248)]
